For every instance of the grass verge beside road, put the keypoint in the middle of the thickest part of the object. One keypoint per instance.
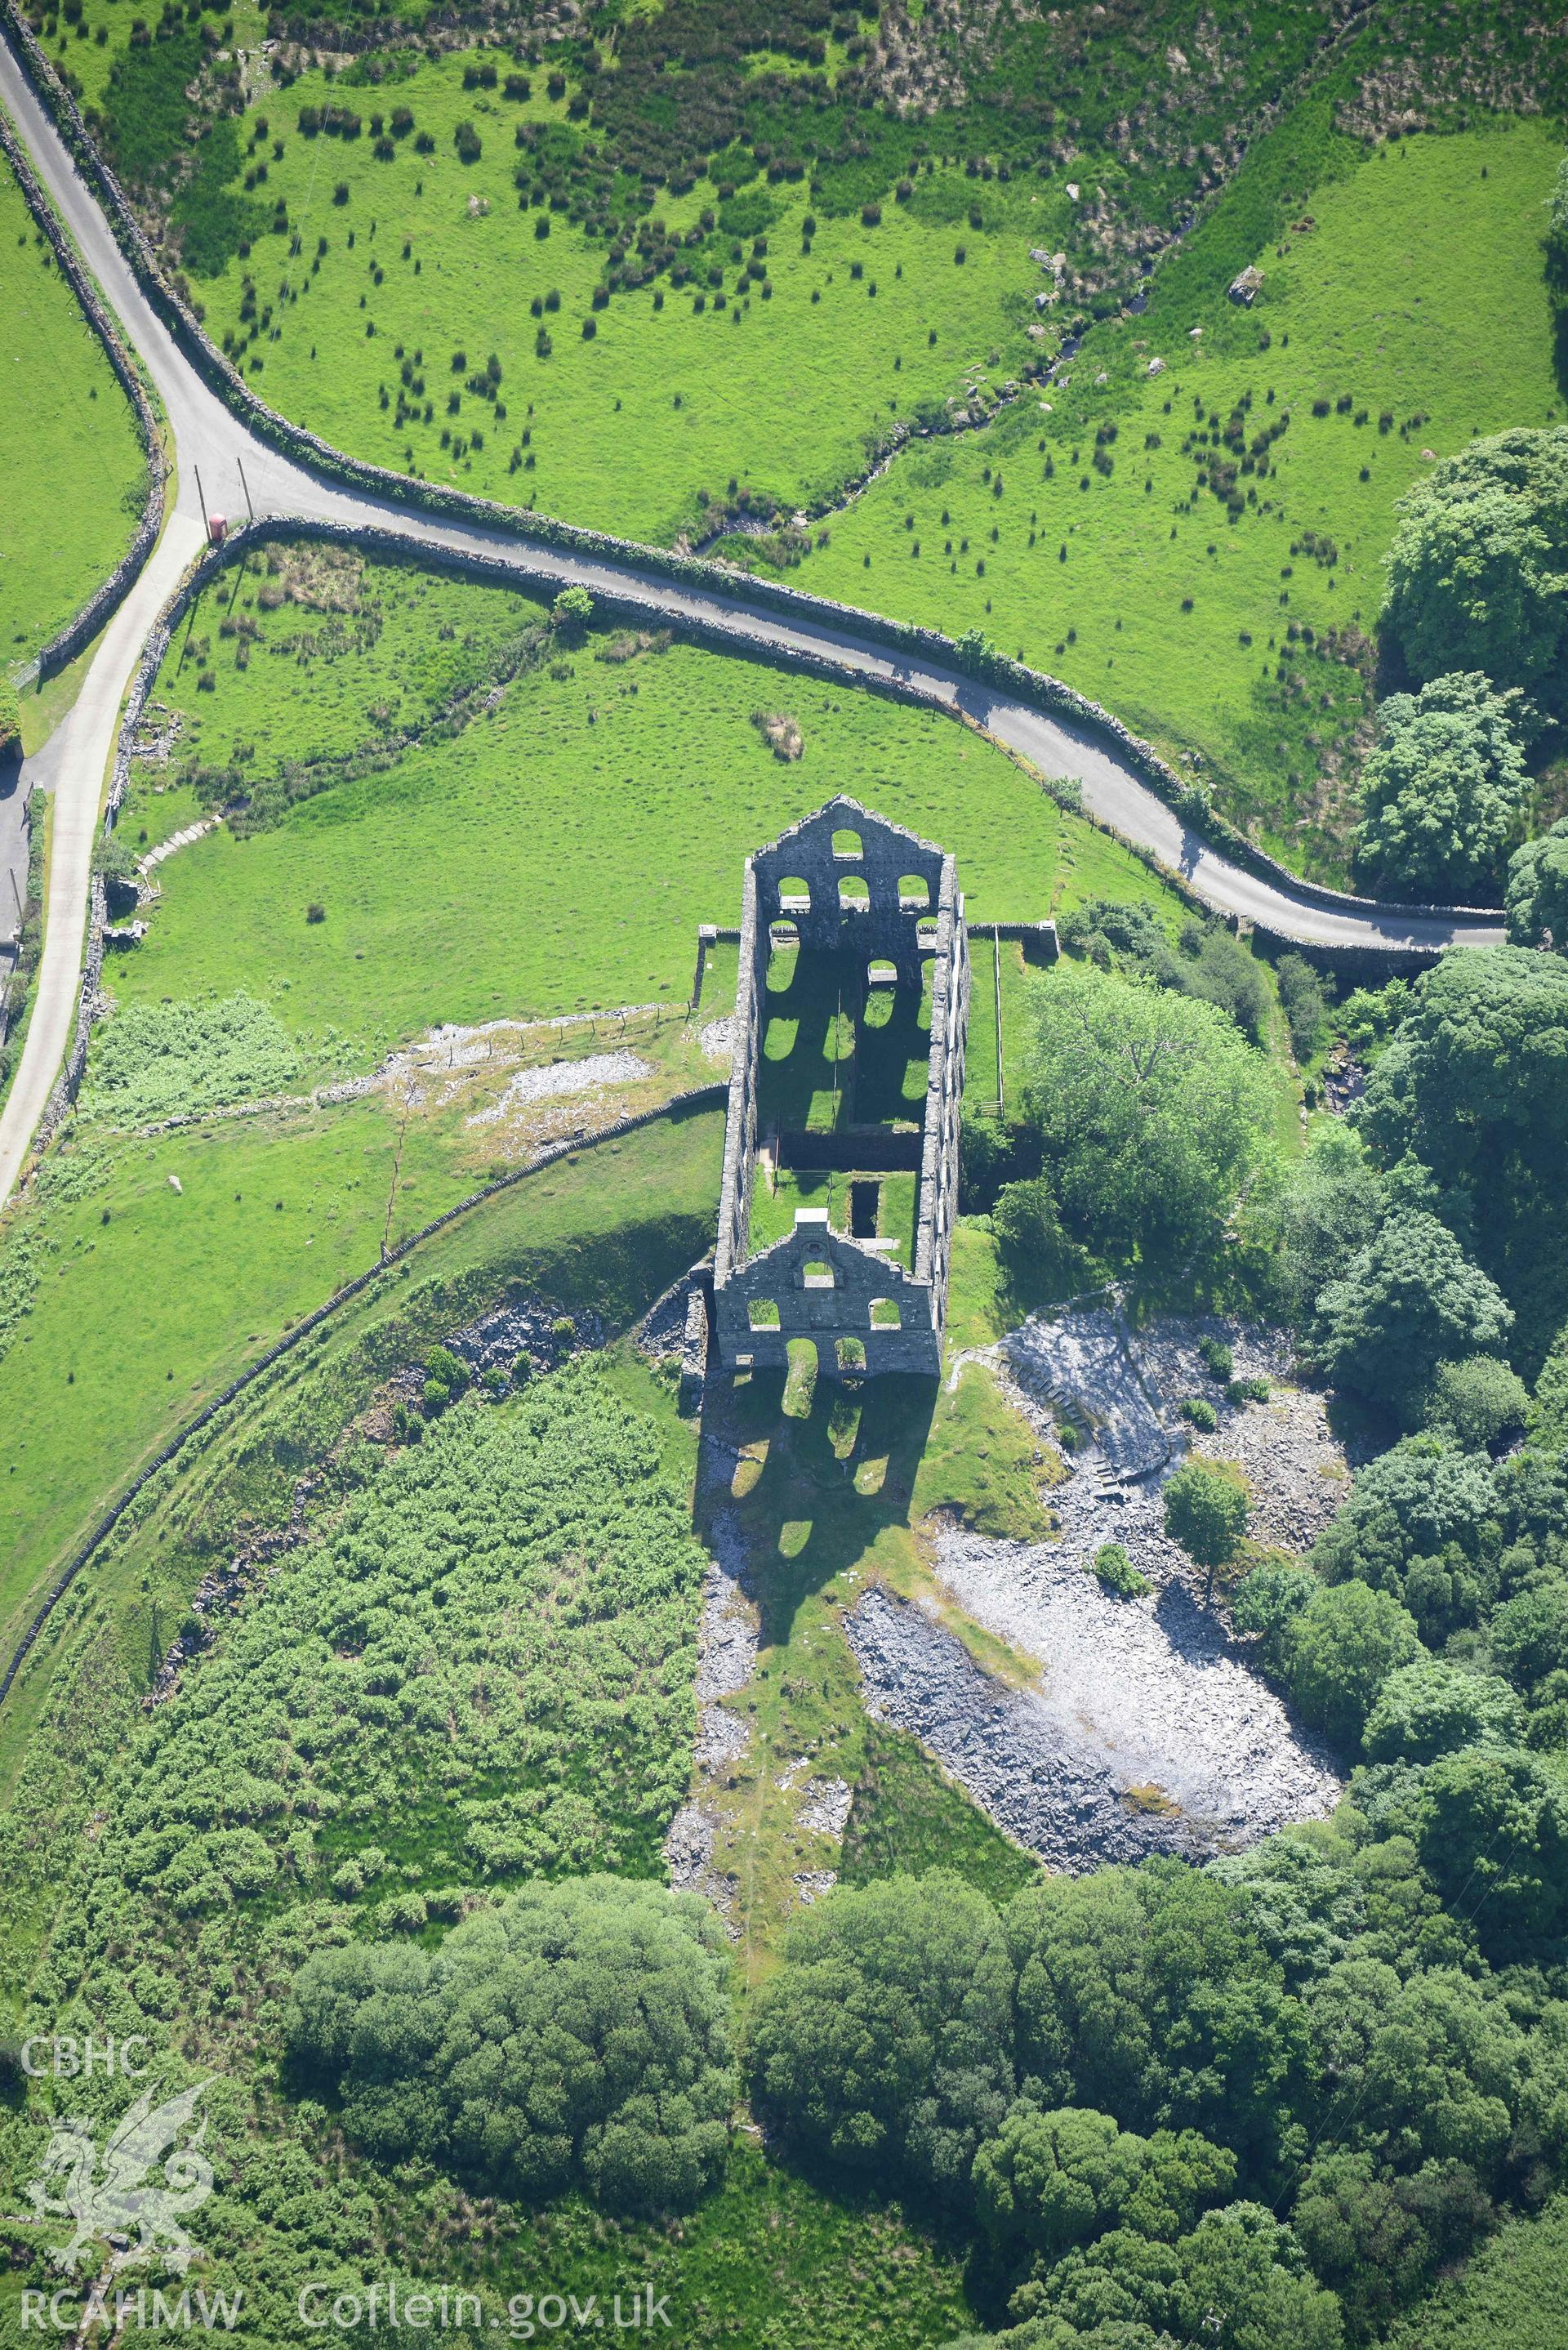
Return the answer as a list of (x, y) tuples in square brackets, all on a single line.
[(74, 472)]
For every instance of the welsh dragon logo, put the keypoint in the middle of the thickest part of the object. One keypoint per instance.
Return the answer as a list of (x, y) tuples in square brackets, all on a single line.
[(112, 2199)]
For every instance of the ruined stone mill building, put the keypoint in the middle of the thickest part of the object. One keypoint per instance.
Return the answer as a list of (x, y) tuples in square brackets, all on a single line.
[(840, 1181)]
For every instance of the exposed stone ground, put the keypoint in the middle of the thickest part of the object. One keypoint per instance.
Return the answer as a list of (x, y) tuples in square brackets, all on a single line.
[(1146, 1730), (563, 1078), (727, 1643), (525, 1084), (497, 1338), (727, 1650), (1126, 1389), (1010, 1748), (1081, 1363), (184, 838), (1140, 1702), (440, 1066), (1149, 1694), (662, 1328), (717, 1039)]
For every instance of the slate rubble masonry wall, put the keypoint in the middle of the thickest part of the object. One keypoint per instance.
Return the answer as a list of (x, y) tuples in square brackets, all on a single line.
[(69, 641), (1032, 686), (885, 927)]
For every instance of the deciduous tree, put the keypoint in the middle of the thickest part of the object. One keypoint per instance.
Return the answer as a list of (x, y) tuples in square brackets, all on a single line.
[(883, 2044), (1337, 1653), (1537, 897), (1441, 792), (578, 2034), (1408, 1301), (1205, 1507), (1152, 1111), (1476, 572)]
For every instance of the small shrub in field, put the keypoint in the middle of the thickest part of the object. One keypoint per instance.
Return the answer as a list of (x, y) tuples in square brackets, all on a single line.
[(573, 609), (316, 913), (1216, 1357), (1248, 1391), (1201, 1413), (781, 735), (1118, 1573), (442, 1364)]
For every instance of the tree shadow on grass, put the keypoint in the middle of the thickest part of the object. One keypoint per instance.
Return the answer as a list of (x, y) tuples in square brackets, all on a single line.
[(825, 1467)]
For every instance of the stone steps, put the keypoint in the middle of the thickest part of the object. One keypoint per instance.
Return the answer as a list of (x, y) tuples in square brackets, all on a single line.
[(182, 839)]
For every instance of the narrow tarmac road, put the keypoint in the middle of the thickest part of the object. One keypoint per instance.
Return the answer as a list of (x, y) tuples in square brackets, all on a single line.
[(213, 446)]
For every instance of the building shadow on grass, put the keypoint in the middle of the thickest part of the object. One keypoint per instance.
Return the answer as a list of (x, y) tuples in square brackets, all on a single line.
[(802, 1473)]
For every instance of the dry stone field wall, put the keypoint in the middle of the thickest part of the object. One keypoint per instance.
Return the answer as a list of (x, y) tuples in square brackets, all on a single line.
[(1010, 679)]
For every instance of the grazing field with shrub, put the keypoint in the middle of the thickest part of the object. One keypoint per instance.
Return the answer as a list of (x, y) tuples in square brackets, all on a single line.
[(76, 480), (552, 853), (1143, 538), (615, 413), (589, 213), (486, 268)]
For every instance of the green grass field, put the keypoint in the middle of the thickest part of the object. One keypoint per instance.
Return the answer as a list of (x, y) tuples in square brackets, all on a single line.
[(909, 1816), (1362, 300), (344, 270), (208, 1275), (270, 1216), (561, 850), (75, 475), (621, 431), (1403, 279), (1414, 293)]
